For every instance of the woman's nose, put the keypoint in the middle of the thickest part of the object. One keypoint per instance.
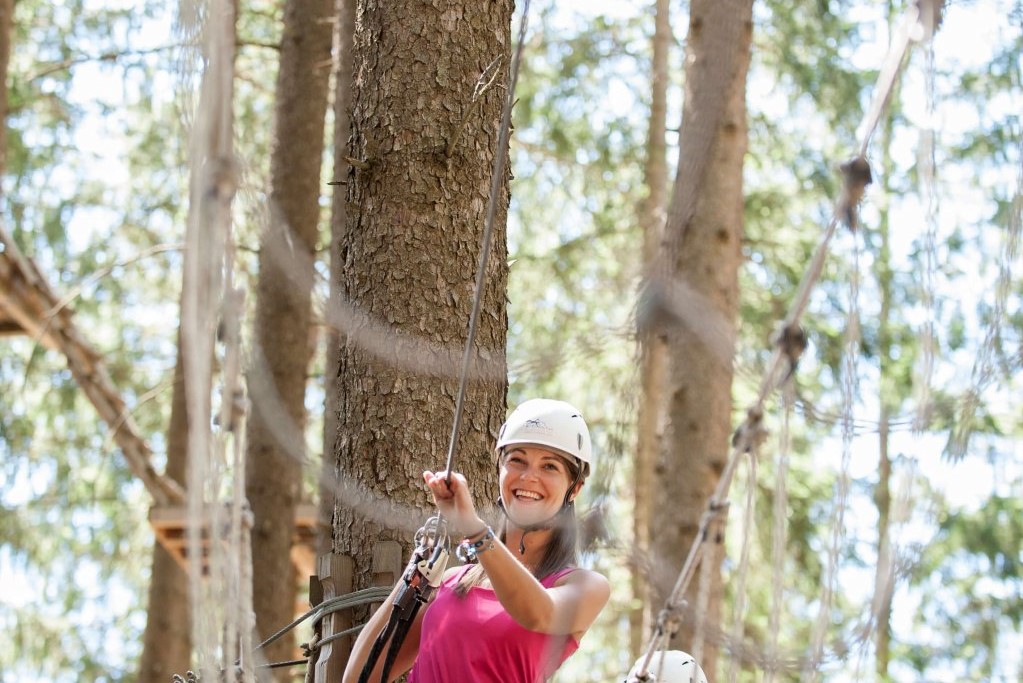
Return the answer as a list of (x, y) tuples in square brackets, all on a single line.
[(531, 472)]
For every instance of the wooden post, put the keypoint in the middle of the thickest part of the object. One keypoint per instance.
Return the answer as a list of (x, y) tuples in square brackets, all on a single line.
[(387, 566), (335, 579)]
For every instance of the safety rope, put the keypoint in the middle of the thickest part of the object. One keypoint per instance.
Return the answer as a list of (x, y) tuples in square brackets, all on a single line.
[(496, 180), (983, 372), (742, 571), (925, 368), (365, 596), (219, 579), (779, 531), (849, 392), (856, 176)]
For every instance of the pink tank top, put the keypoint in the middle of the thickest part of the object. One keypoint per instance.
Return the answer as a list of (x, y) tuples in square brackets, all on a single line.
[(475, 639)]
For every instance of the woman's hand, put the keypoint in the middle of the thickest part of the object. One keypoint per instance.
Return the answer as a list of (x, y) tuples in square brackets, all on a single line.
[(454, 501)]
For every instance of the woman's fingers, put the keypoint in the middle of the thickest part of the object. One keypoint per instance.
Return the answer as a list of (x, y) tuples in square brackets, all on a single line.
[(451, 495)]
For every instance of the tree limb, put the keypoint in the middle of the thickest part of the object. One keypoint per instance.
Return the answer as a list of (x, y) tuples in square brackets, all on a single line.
[(29, 301)]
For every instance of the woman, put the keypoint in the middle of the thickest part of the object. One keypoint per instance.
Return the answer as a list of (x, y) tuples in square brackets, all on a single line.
[(517, 610)]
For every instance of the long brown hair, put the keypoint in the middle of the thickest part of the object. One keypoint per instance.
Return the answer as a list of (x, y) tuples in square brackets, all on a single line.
[(562, 547)]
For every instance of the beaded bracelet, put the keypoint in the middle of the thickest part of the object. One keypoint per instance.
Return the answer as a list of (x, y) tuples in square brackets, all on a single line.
[(467, 550)]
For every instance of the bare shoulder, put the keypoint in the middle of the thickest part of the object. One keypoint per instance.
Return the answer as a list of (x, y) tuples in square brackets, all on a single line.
[(592, 583)]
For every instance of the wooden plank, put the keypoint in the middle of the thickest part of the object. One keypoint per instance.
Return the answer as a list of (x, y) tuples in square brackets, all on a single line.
[(335, 577), (170, 524)]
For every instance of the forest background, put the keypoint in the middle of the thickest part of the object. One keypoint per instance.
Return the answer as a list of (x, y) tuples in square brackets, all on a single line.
[(100, 99)]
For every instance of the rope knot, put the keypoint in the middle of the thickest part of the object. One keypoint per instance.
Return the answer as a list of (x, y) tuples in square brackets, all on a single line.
[(856, 176), (751, 434), (669, 619), (791, 340)]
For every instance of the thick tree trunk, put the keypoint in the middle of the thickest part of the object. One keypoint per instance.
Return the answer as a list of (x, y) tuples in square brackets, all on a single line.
[(167, 640), (653, 346), (703, 238), (283, 342), (423, 148)]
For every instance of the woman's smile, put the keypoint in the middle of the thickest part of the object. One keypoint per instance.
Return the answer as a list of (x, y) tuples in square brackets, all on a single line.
[(534, 482)]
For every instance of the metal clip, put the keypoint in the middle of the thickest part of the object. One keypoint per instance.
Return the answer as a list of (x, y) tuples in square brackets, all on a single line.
[(433, 568)]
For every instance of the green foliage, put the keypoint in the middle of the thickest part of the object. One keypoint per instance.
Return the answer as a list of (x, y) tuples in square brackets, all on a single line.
[(970, 580)]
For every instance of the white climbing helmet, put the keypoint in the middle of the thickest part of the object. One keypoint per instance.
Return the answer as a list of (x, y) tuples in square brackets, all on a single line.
[(669, 666), (550, 424)]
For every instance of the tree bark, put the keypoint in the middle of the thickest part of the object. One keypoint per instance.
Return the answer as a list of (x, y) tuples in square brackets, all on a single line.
[(344, 38), (167, 640), (283, 336), (415, 216), (699, 302)]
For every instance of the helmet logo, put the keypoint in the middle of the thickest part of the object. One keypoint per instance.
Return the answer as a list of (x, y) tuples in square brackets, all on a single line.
[(537, 426)]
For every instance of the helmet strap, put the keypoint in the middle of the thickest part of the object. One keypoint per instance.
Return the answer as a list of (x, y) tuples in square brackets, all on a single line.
[(546, 524)]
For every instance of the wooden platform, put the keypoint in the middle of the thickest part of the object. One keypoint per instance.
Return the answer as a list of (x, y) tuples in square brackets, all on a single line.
[(171, 526)]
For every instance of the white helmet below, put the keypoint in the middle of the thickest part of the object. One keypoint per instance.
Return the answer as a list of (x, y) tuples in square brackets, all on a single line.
[(668, 666), (547, 423)]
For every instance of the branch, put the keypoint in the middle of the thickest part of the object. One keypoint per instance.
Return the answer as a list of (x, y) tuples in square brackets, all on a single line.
[(66, 64), (483, 83), (28, 299)]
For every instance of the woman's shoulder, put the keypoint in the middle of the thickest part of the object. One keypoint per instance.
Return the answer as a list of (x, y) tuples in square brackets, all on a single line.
[(579, 576)]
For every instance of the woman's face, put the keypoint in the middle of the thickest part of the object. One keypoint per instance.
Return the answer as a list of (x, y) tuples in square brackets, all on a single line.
[(534, 482)]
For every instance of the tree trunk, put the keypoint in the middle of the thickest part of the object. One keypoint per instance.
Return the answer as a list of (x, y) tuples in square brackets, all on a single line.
[(653, 347), (888, 391), (167, 640), (702, 252), (283, 333), (417, 195), (343, 83), (332, 657)]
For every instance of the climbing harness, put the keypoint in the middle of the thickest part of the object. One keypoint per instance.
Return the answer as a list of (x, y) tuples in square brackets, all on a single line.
[(420, 579), (423, 574)]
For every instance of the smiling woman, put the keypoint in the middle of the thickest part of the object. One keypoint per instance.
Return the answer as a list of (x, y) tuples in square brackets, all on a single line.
[(507, 615)]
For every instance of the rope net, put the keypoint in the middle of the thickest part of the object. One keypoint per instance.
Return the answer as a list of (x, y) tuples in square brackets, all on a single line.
[(219, 523)]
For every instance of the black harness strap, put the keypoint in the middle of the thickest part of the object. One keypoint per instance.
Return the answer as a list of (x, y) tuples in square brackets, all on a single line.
[(421, 577)]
